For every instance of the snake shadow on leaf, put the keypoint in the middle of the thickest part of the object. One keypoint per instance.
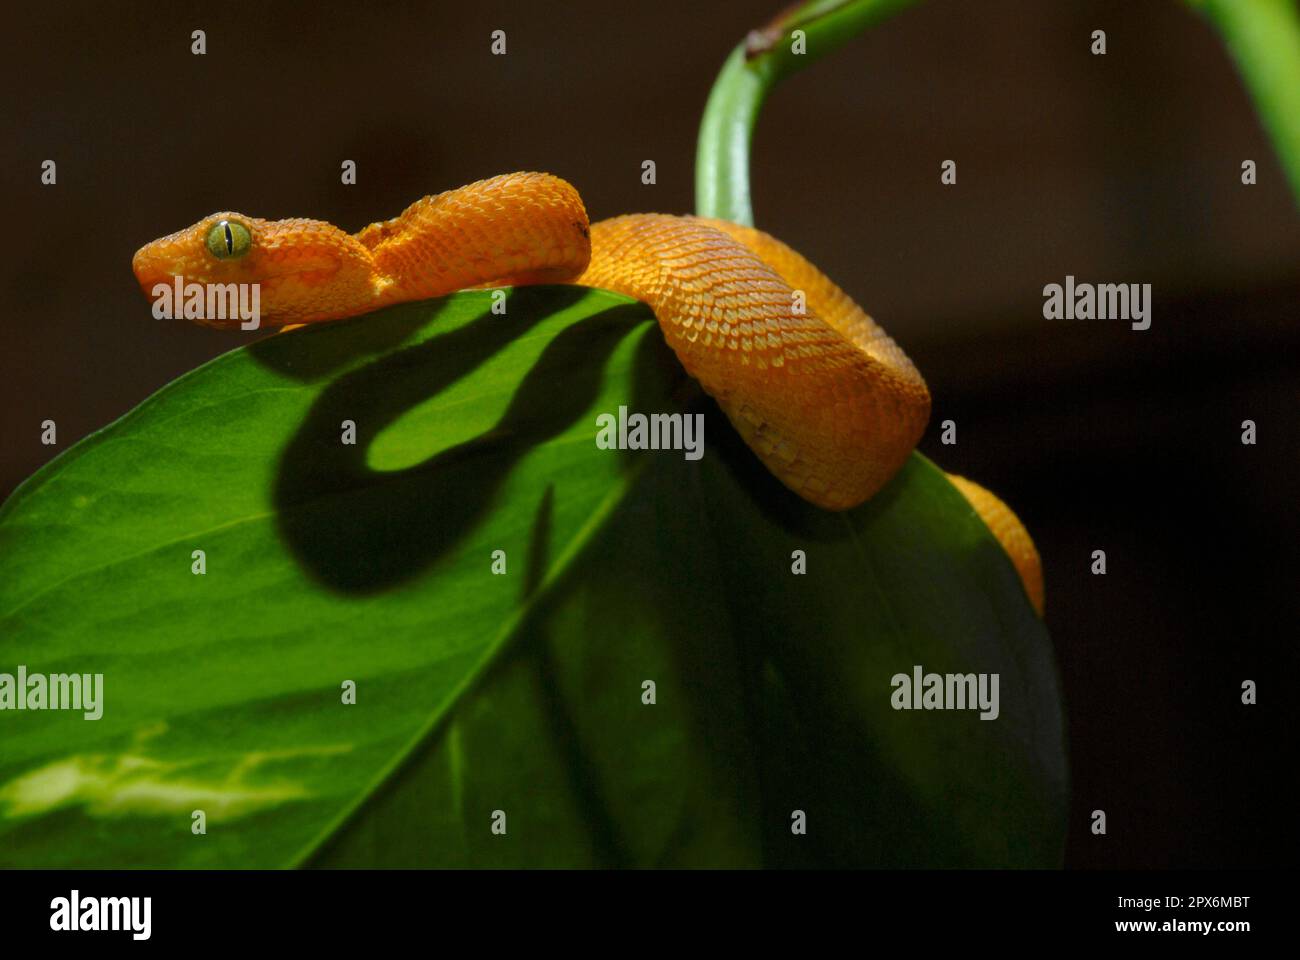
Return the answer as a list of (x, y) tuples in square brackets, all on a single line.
[(361, 531)]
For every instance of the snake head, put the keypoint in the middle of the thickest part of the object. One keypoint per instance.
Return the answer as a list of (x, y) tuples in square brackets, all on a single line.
[(305, 270)]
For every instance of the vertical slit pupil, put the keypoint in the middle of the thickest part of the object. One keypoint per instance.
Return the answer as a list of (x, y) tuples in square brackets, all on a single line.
[(230, 239)]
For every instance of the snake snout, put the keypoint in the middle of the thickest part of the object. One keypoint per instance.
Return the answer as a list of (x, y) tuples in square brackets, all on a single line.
[(157, 266), (154, 264), (150, 270)]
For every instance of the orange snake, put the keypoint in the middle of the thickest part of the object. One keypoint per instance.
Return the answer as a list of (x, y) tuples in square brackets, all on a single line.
[(824, 397)]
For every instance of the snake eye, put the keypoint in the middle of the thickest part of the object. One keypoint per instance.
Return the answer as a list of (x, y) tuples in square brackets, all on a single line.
[(229, 239)]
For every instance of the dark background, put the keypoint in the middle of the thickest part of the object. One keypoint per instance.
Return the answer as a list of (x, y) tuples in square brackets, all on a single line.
[(1122, 168)]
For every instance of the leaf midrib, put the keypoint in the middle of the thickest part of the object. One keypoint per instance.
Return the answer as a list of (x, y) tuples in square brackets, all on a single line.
[(516, 619)]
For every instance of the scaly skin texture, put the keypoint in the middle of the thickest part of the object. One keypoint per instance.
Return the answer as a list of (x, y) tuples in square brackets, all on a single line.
[(823, 396), (1010, 532)]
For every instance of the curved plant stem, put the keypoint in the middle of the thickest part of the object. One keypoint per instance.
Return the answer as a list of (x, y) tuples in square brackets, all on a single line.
[(758, 64), (1263, 37)]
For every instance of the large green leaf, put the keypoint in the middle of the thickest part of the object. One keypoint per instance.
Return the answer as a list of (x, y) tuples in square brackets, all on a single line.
[(479, 692)]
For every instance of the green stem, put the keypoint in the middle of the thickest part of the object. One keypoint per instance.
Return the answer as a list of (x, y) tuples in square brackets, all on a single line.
[(758, 64), (1263, 37)]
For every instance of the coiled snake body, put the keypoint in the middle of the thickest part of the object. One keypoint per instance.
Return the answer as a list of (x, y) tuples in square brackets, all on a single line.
[(824, 397)]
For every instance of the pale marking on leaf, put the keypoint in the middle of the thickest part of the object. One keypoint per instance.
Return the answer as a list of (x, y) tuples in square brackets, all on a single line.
[(125, 784)]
